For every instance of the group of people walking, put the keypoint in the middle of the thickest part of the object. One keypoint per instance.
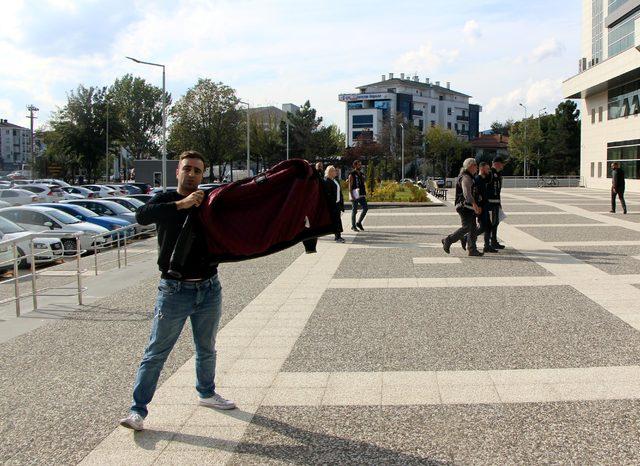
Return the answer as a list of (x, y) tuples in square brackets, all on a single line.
[(478, 204)]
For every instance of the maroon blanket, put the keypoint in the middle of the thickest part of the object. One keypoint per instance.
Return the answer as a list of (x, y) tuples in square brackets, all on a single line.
[(265, 214)]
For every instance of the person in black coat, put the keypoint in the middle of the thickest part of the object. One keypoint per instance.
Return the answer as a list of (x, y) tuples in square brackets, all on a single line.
[(336, 200), (617, 187)]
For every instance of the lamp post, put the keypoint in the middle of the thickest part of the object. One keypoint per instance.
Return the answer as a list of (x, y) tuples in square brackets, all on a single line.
[(524, 122), (287, 139), (164, 120), (402, 150), (106, 146), (248, 139), (543, 109)]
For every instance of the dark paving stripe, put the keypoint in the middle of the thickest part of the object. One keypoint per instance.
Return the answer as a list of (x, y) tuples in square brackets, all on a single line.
[(569, 233), (461, 329), (604, 432), (614, 260), (65, 385), (547, 219), (529, 208)]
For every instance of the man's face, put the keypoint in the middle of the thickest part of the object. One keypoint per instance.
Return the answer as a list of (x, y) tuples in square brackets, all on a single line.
[(484, 170), (498, 166), (358, 165), (614, 166), (189, 174)]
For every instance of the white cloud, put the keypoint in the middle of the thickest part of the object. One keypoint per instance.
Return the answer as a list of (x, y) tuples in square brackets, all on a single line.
[(547, 49), (472, 31), (534, 95), (426, 59)]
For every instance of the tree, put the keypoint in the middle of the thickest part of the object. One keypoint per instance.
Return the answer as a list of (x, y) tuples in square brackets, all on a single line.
[(327, 142), (562, 156), (445, 150), (302, 124), (266, 143), (524, 141), (138, 106), (207, 119), (78, 133), (502, 128)]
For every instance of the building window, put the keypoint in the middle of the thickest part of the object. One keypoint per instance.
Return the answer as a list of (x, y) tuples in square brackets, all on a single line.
[(597, 29), (441, 97), (599, 169), (351, 105), (624, 100), (433, 123), (593, 169), (593, 116), (449, 125), (433, 109), (621, 36), (449, 111), (627, 154), (600, 114), (362, 121)]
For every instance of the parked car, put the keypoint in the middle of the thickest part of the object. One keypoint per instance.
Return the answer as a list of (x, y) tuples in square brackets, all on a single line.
[(119, 189), (130, 203), (79, 190), (85, 215), (6, 258), (141, 197), (17, 197), (129, 189), (143, 187), (159, 190), (4, 204), (100, 190), (34, 218), (45, 192), (45, 250), (61, 183), (21, 182), (106, 208)]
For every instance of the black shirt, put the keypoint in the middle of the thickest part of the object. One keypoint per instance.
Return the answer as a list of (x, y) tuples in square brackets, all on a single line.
[(357, 182), (162, 211), (617, 179), (482, 189)]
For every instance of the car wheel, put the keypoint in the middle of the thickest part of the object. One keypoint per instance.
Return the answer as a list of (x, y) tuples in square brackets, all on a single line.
[(23, 263)]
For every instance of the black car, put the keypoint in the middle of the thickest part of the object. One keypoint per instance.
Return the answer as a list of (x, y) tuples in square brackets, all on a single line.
[(143, 187)]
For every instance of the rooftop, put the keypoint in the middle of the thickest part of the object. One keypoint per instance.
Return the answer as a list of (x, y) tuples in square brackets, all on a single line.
[(6, 124), (414, 84), (490, 141)]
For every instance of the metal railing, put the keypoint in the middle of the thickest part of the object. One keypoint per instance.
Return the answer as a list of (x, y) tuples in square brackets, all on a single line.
[(118, 241), (533, 181)]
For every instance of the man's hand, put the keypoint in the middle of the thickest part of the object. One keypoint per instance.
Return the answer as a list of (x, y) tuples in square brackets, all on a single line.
[(613, 189), (193, 199), (477, 209)]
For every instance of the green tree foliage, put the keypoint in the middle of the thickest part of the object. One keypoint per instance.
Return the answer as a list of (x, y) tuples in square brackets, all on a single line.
[(524, 143), (207, 119), (326, 142), (78, 130), (562, 154), (302, 124), (138, 106), (502, 128), (266, 141), (445, 151)]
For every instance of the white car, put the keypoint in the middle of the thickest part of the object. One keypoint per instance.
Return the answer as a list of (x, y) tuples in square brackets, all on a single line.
[(45, 249), (6, 257), (120, 191), (101, 190), (84, 193), (62, 184), (34, 218), (17, 197), (45, 192)]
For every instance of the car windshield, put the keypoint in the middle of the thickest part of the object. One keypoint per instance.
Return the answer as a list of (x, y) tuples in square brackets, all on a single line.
[(133, 202), (7, 226), (116, 208), (63, 217), (79, 210)]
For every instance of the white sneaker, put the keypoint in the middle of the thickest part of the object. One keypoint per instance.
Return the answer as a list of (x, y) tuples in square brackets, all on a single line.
[(216, 401), (133, 421)]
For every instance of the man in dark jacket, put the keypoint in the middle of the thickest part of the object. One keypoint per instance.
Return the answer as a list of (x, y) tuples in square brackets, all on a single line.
[(494, 204), (197, 295), (358, 195), (483, 184), (467, 208), (617, 187)]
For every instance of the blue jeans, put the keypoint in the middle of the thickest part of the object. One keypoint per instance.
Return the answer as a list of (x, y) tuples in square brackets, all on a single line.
[(354, 210), (177, 300)]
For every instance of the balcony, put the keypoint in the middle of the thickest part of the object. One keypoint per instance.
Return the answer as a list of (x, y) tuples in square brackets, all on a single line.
[(462, 118)]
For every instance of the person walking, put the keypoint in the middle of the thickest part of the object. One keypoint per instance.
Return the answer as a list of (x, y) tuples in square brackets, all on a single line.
[(197, 295), (336, 200), (357, 195), (467, 209), (617, 187), (482, 185), (494, 203)]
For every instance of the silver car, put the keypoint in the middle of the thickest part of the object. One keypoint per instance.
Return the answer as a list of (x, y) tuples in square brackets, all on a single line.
[(45, 250)]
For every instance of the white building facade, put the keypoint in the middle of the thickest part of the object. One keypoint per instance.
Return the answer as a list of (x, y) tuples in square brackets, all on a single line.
[(426, 104), (608, 84), (15, 146)]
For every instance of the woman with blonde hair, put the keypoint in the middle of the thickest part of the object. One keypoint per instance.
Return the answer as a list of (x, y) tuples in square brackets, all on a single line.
[(336, 200)]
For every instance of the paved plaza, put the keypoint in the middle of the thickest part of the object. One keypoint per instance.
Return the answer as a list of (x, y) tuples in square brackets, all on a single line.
[(383, 350)]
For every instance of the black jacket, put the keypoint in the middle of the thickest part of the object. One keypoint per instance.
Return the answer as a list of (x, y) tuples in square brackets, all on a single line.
[(617, 179), (162, 211), (356, 180), (482, 185), (332, 194)]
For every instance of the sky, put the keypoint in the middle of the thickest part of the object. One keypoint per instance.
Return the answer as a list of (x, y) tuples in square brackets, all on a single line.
[(272, 52)]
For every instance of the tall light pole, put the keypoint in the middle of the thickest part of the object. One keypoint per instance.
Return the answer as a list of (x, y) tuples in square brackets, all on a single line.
[(543, 109), (32, 109), (524, 122), (402, 151), (248, 140), (287, 139), (106, 147), (164, 120)]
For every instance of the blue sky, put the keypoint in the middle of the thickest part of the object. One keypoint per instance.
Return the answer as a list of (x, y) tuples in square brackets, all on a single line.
[(273, 52)]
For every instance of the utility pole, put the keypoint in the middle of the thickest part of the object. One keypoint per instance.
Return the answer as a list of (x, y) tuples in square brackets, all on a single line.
[(524, 122), (106, 147), (32, 109)]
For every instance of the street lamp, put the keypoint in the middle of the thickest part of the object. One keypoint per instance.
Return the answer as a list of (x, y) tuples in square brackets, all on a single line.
[(543, 109), (248, 138), (164, 120), (402, 152), (524, 122)]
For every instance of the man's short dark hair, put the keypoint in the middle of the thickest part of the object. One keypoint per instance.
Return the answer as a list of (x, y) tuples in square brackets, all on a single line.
[(483, 164), (356, 162), (498, 159), (192, 154)]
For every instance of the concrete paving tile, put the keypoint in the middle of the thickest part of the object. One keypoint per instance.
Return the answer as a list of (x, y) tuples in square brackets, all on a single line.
[(246, 379), (255, 365), (409, 378), (161, 417), (274, 341), (364, 380), (352, 396), (467, 394), (120, 458), (570, 233), (243, 396), (205, 416), (600, 390), (301, 380), (396, 395), (123, 439), (527, 393), (194, 458), (294, 397), (464, 378), (174, 395), (205, 438), (266, 352)]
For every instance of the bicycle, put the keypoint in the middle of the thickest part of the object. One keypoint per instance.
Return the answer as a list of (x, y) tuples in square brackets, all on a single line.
[(547, 181)]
